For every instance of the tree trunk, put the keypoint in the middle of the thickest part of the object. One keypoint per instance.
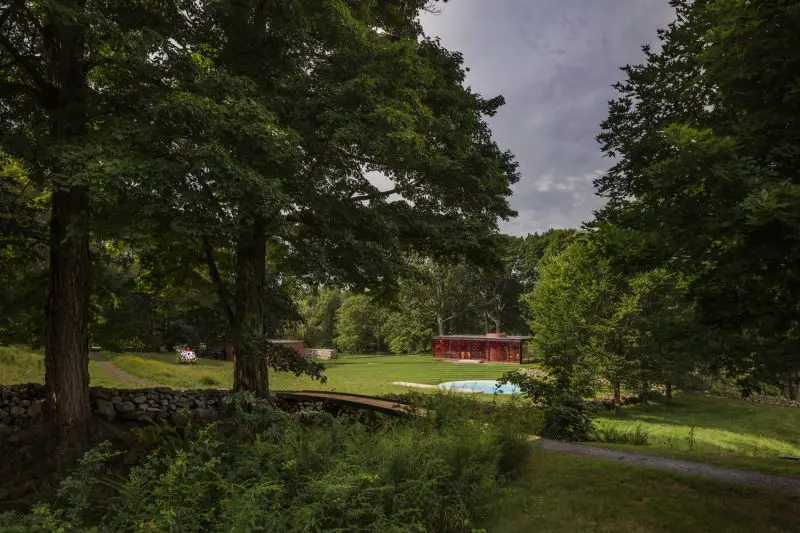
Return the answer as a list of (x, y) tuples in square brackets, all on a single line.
[(669, 392), (617, 392), (67, 309), (440, 325), (644, 392), (250, 373), (66, 323)]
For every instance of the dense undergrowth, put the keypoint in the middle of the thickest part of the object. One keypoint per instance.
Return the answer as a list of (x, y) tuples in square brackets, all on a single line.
[(262, 469)]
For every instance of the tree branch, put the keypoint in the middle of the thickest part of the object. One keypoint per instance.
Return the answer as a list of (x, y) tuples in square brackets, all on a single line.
[(10, 90), (374, 196), (213, 272), (23, 62)]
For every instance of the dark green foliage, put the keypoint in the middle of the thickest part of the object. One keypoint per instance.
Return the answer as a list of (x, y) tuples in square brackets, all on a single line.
[(705, 137), (263, 469)]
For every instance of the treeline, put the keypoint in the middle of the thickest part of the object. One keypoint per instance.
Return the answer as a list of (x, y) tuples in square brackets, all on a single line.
[(431, 298), (141, 303)]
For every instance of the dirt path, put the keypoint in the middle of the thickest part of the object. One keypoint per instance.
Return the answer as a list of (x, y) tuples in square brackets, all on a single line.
[(748, 478), (114, 371)]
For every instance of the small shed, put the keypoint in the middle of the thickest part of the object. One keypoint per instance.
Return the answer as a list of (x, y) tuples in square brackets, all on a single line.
[(492, 347), (295, 345)]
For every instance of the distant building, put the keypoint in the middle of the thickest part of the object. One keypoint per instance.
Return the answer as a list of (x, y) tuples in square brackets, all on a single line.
[(492, 347), (295, 345)]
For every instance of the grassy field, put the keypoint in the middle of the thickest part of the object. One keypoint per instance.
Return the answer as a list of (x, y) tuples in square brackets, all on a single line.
[(358, 374), (717, 430), (560, 493), (23, 366)]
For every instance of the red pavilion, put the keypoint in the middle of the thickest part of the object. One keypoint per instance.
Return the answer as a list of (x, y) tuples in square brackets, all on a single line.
[(492, 347)]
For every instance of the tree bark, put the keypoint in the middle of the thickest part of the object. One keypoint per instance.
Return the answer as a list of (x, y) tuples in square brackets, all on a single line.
[(669, 392), (617, 392), (440, 325), (67, 309), (67, 320), (250, 372)]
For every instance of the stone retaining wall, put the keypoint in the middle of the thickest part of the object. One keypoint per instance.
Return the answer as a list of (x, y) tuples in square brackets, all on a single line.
[(22, 405), (321, 353)]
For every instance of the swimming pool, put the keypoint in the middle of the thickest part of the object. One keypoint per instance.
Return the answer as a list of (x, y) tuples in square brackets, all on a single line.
[(484, 386)]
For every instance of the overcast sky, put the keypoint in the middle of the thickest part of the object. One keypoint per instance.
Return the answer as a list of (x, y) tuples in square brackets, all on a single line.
[(554, 61)]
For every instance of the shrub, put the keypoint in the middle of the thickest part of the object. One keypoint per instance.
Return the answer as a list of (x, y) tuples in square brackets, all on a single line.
[(612, 434), (566, 415), (272, 471)]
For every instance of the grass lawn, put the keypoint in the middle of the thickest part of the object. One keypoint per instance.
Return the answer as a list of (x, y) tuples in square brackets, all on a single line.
[(25, 366), (560, 493), (356, 374), (722, 431)]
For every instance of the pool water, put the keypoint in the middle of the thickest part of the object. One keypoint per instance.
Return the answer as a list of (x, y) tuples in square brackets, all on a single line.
[(484, 386)]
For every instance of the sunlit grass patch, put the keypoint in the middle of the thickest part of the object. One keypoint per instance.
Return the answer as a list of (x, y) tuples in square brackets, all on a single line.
[(718, 430), (21, 365)]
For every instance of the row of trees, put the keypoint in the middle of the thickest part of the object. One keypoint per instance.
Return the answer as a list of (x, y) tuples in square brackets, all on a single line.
[(596, 325), (143, 304), (170, 147)]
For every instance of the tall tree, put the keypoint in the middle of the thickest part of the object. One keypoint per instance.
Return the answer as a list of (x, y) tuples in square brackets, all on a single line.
[(337, 89), (60, 62), (706, 140), (570, 301)]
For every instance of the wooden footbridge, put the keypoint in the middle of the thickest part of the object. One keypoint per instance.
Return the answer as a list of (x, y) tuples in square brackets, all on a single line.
[(358, 401)]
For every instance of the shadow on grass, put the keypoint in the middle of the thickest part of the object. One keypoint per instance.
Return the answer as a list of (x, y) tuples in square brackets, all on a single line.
[(696, 421)]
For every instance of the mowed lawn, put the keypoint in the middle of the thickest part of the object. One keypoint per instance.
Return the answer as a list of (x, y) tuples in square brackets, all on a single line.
[(563, 494), (723, 431), (26, 366), (356, 374)]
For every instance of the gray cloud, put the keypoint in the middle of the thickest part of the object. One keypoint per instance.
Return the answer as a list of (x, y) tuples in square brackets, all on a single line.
[(554, 61)]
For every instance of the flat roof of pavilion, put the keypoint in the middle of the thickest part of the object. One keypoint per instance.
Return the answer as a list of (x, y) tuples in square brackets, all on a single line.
[(514, 338)]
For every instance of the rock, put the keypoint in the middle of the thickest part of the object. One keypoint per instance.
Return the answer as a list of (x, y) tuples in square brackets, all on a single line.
[(140, 399), (16, 411), (143, 406), (116, 399), (125, 407), (102, 393), (35, 410), (25, 403), (204, 415), (106, 409), (165, 403)]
